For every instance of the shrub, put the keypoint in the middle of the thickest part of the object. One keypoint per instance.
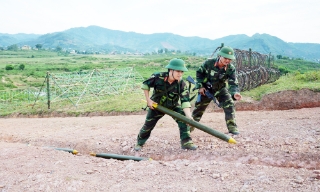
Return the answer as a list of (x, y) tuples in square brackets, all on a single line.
[(21, 66), (309, 76), (283, 70), (9, 67)]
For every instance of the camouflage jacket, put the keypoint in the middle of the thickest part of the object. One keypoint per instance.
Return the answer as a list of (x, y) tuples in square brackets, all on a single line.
[(218, 78), (166, 94)]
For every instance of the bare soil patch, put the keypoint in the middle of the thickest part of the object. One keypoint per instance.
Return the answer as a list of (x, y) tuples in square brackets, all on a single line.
[(277, 150)]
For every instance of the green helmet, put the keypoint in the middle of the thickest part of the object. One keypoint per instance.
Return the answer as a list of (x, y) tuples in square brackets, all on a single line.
[(227, 52), (177, 64)]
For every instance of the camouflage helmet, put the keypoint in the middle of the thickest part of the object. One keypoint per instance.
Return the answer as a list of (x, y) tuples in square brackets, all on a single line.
[(177, 64), (227, 52)]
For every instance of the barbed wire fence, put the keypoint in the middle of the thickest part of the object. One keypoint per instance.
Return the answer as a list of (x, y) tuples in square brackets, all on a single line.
[(17, 100), (75, 89), (253, 69), (89, 86)]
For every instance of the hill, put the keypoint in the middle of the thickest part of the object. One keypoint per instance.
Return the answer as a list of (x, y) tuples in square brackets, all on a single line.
[(10, 39), (98, 39)]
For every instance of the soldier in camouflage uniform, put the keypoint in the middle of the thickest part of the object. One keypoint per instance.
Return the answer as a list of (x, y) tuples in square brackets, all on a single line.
[(168, 89), (213, 76)]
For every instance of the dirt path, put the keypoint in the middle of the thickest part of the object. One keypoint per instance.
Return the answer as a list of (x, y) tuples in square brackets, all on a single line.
[(276, 151)]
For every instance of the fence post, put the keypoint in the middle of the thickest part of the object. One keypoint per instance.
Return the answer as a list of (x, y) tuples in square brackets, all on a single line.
[(11, 96), (48, 90), (28, 94), (269, 59), (250, 55)]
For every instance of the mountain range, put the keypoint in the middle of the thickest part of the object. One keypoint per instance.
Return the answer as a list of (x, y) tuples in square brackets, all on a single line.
[(97, 39)]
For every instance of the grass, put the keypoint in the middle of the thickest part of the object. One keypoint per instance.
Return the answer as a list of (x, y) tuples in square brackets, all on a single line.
[(298, 65), (291, 81)]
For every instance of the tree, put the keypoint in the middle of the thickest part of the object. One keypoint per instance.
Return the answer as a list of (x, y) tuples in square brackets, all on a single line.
[(38, 46), (13, 47), (58, 49)]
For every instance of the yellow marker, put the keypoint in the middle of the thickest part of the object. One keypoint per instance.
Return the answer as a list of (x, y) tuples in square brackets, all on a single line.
[(232, 141), (68, 150)]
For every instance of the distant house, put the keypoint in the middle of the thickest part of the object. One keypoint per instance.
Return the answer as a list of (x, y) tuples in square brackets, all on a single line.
[(26, 47)]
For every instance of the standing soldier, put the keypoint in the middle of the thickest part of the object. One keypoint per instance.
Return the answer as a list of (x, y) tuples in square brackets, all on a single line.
[(212, 78), (168, 89)]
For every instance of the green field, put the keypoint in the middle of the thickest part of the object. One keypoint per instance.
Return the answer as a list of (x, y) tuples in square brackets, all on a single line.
[(37, 63), (24, 70)]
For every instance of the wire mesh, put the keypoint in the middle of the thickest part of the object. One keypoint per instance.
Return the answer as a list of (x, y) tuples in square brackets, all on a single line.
[(74, 88), (254, 69), (87, 86)]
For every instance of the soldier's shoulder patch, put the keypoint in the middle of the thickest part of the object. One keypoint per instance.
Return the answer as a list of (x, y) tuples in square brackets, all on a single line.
[(163, 74)]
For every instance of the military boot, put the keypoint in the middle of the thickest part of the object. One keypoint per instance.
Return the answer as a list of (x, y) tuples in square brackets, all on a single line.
[(137, 147), (189, 145), (234, 131)]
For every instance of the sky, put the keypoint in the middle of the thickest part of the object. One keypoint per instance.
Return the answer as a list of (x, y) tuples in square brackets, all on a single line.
[(294, 21)]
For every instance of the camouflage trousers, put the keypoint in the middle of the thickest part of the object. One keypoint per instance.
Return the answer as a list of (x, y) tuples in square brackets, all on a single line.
[(153, 117), (226, 103)]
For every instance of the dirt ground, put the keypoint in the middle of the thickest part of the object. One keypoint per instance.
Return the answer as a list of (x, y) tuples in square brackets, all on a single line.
[(277, 150)]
